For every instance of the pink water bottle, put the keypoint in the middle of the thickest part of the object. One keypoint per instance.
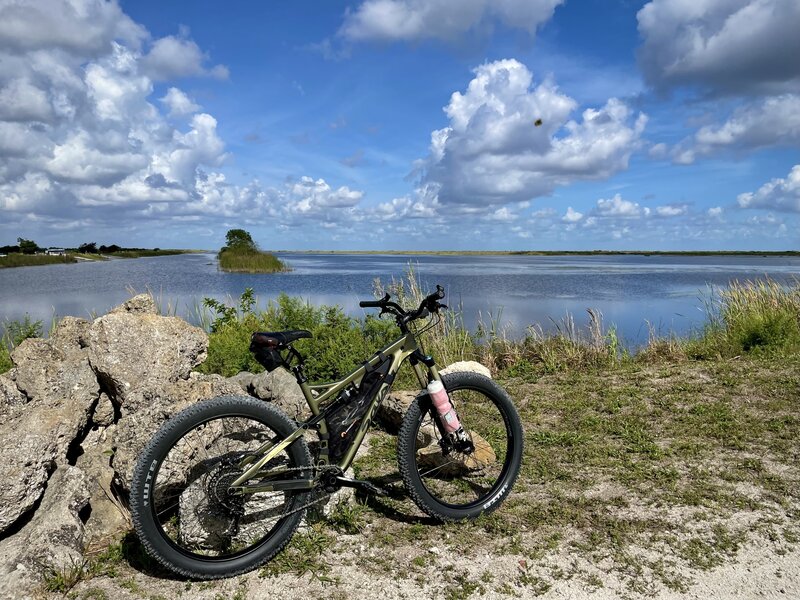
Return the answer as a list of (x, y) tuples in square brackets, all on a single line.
[(442, 403)]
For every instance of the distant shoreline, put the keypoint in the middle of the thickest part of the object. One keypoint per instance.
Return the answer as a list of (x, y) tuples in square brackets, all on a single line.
[(15, 260), (555, 252)]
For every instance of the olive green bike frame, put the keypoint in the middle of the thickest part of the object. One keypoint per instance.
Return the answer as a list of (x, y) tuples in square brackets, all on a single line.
[(398, 351)]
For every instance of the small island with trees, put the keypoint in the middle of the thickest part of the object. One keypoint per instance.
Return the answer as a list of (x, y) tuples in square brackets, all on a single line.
[(27, 253), (242, 255)]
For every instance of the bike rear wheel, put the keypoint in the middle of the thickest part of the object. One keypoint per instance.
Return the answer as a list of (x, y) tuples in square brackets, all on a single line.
[(453, 485), (181, 508)]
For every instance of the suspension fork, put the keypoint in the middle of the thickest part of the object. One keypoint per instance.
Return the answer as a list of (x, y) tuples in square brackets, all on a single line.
[(416, 360)]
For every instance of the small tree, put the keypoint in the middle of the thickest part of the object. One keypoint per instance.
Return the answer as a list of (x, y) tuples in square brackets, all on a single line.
[(90, 248), (239, 239), (27, 246)]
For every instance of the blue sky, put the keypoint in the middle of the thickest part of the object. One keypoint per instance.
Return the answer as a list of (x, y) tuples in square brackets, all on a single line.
[(402, 124)]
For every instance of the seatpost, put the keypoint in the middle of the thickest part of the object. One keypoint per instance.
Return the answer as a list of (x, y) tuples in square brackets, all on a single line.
[(298, 370)]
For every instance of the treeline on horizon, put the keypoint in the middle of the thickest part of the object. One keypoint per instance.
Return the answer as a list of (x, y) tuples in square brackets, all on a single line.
[(25, 246)]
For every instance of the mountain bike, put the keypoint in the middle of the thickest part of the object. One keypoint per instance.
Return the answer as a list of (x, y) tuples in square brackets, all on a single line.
[(222, 485)]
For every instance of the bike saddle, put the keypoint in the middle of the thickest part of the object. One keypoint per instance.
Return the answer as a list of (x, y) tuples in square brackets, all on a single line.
[(271, 339)]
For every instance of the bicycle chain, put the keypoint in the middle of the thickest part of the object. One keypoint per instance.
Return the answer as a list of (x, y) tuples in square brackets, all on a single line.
[(322, 497)]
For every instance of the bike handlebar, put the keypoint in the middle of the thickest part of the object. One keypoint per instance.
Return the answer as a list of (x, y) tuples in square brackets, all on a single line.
[(374, 303), (430, 304)]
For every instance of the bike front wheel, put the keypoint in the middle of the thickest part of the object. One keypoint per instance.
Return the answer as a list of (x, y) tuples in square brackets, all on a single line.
[(452, 484), (181, 507)]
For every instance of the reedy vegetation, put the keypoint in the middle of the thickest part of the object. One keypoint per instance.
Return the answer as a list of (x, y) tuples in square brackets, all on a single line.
[(34, 260), (760, 318), (250, 261)]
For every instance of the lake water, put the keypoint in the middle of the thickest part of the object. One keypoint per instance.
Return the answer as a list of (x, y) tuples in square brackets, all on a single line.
[(667, 291)]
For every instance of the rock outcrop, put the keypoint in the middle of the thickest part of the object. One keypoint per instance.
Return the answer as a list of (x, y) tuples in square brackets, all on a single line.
[(468, 366), (76, 410), (56, 390), (52, 542), (280, 388)]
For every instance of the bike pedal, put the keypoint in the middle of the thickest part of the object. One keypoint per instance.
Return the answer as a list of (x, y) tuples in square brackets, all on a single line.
[(364, 485)]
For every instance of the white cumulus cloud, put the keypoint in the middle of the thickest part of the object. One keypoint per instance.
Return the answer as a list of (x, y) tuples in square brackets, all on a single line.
[(727, 46), (572, 216), (82, 27), (772, 121), (781, 194), (618, 207), (80, 137), (308, 197), (173, 56), (492, 152), (179, 103), (411, 20), (672, 210)]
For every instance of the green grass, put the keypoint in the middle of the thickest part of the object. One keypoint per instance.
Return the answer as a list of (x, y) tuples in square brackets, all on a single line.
[(754, 318), (693, 458), (338, 345), (688, 446), (302, 555), (63, 579), (31, 260), (243, 260), (141, 253), (5, 358)]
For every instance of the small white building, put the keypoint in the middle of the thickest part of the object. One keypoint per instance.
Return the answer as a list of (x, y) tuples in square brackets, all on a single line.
[(55, 252)]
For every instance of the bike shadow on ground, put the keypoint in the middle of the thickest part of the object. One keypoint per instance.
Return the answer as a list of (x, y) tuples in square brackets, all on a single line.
[(133, 553), (397, 504)]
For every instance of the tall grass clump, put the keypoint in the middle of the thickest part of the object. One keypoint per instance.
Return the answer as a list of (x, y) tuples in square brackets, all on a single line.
[(445, 337), (759, 317), (249, 260), (566, 347), (14, 333)]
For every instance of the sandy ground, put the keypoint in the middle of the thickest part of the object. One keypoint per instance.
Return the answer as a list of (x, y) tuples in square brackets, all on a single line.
[(756, 571)]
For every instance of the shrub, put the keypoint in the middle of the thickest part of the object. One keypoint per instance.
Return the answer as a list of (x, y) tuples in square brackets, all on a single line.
[(338, 345)]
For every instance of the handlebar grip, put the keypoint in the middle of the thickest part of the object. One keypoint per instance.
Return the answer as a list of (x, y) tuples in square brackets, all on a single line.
[(432, 298), (374, 303)]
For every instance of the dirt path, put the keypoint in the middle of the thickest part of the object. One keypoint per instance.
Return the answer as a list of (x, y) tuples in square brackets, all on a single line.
[(756, 572)]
